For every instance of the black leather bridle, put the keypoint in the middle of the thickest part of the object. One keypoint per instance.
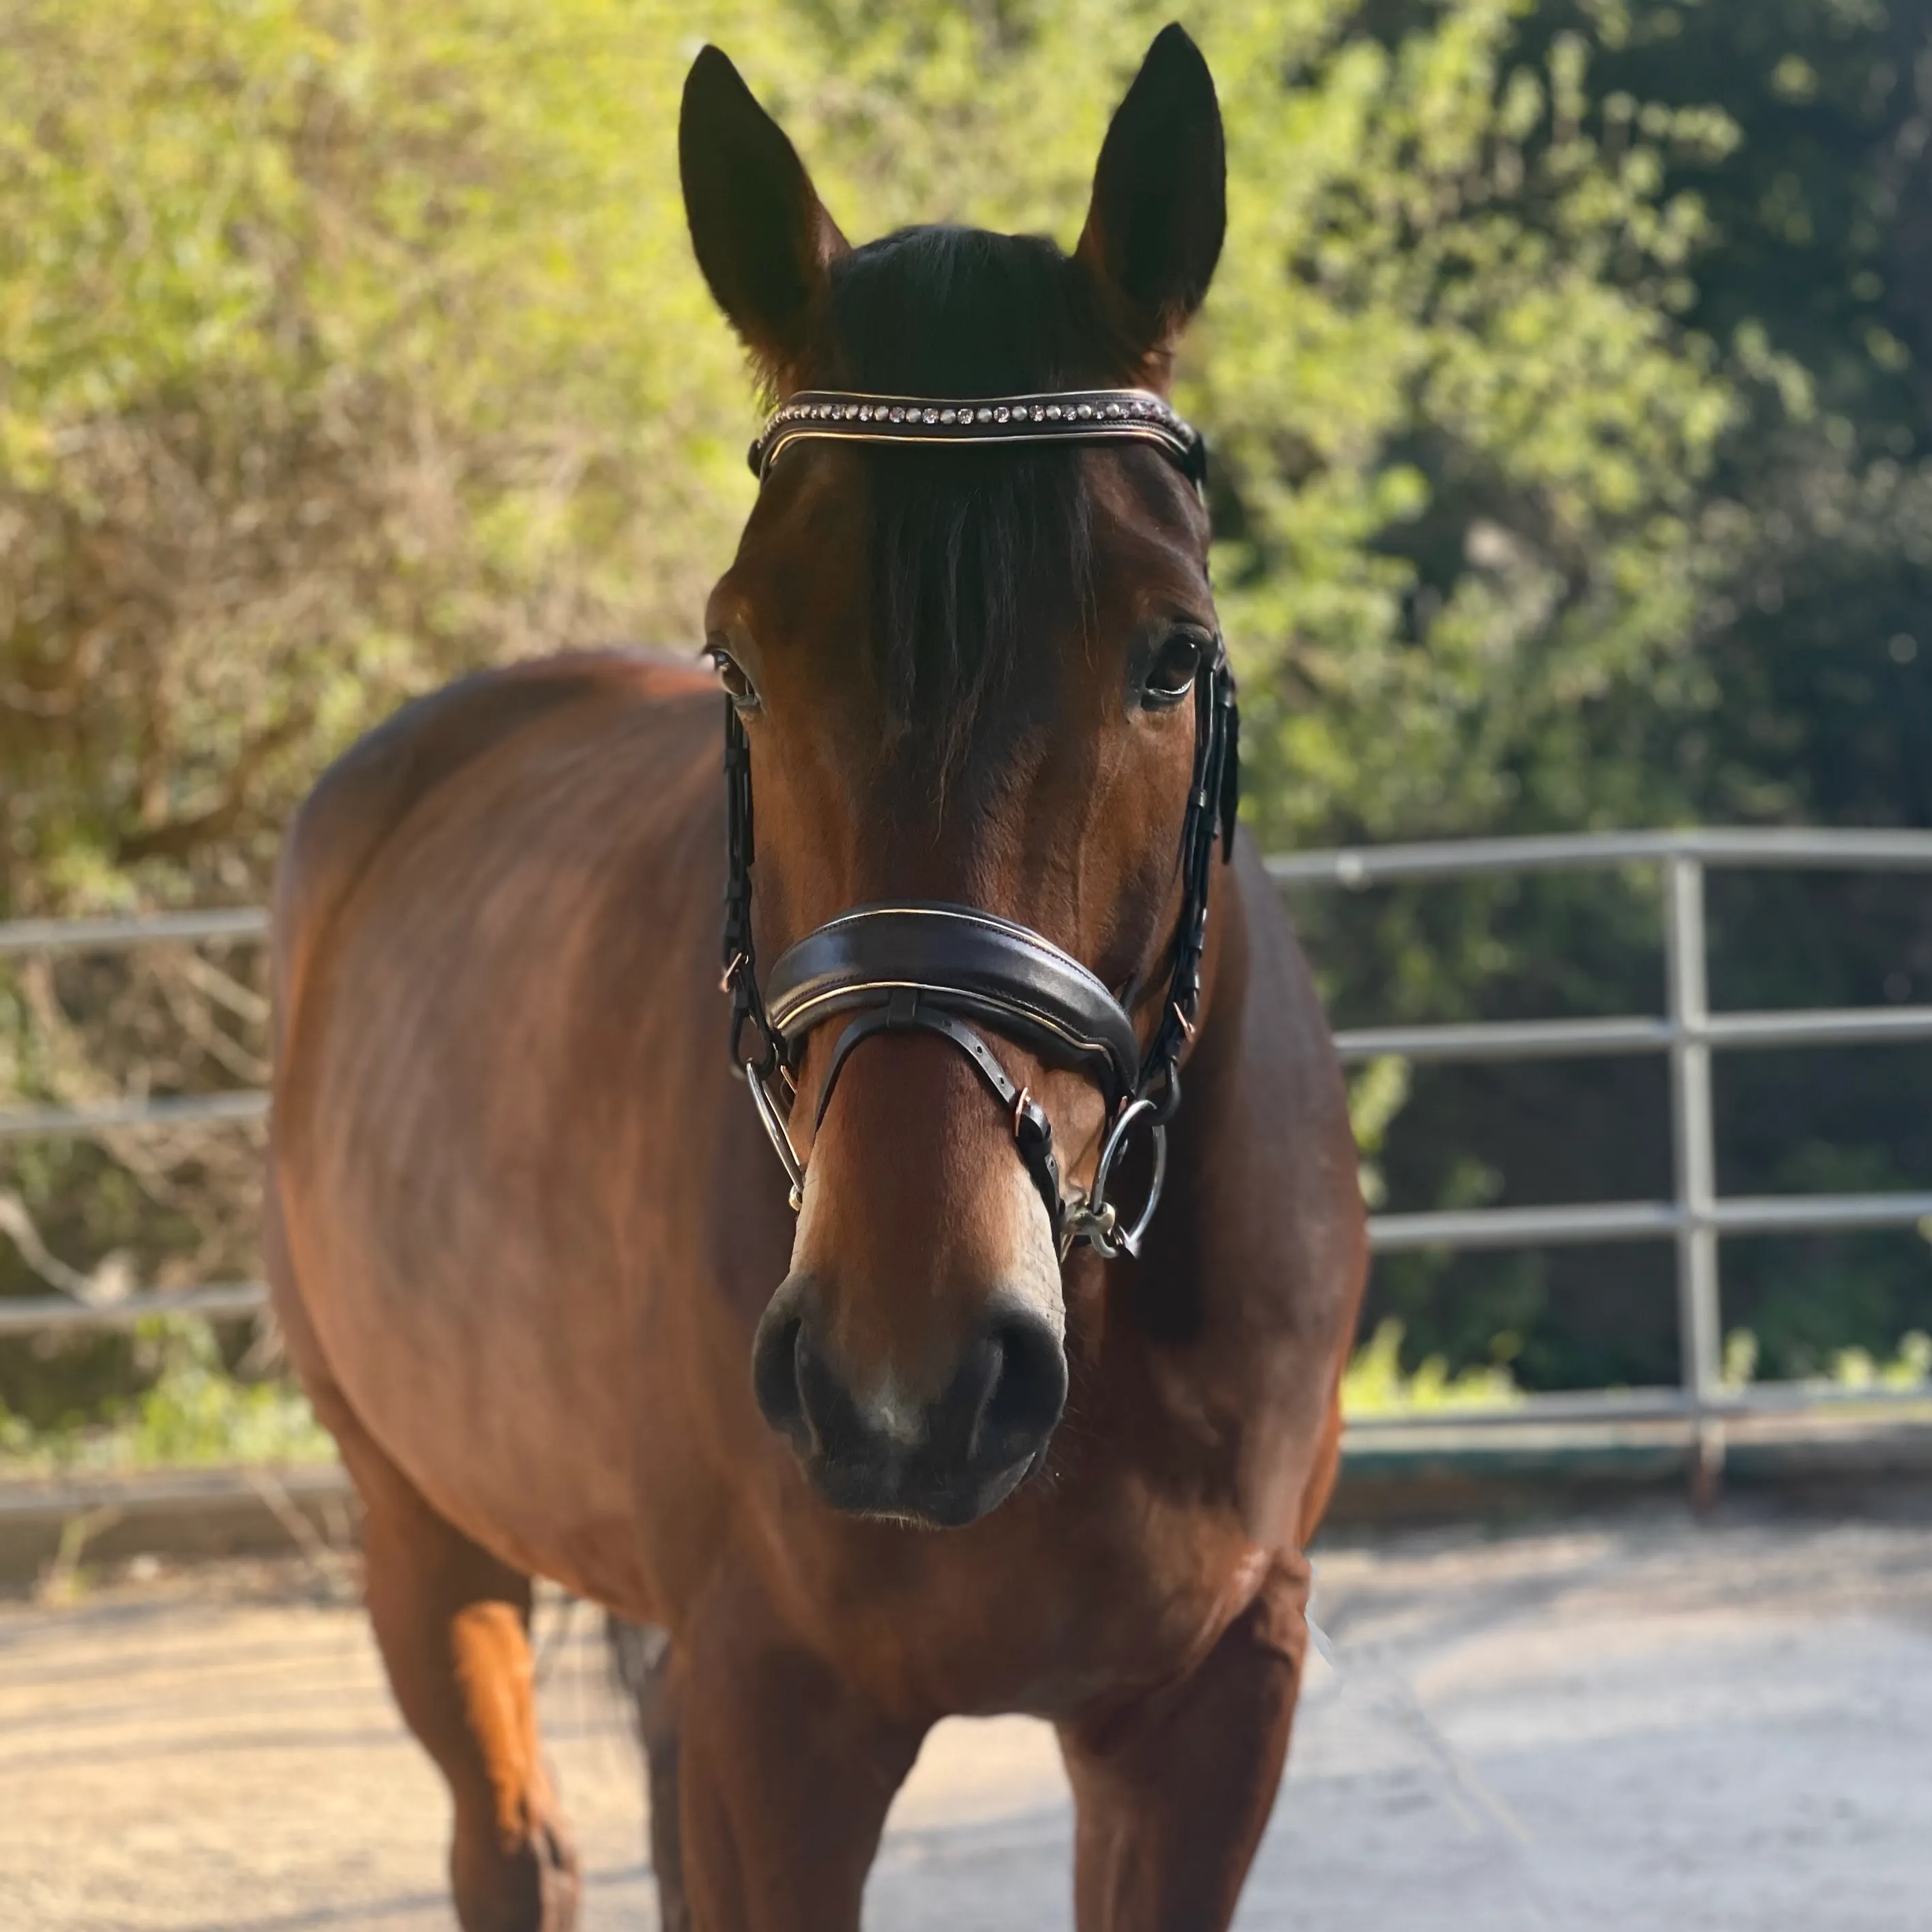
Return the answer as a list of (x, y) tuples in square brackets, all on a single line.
[(919, 965)]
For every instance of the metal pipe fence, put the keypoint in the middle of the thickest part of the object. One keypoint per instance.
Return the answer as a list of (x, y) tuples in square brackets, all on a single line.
[(1694, 1219), (1688, 1032)]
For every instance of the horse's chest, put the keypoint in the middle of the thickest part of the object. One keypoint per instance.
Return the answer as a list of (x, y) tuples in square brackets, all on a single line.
[(1067, 1612)]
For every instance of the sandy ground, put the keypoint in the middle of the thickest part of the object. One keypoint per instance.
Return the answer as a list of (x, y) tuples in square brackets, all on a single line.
[(1629, 1722)]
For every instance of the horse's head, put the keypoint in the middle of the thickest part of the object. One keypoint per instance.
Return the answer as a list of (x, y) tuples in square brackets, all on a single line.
[(965, 675)]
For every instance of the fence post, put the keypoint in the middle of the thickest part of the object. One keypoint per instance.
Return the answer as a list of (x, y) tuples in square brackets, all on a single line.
[(1698, 1313)]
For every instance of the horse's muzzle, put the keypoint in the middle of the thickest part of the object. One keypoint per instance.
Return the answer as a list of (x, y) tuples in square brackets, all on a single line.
[(944, 1463)]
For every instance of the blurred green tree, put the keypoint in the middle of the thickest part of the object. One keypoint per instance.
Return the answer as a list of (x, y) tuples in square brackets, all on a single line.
[(1802, 693), (342, 349), (345, 348)]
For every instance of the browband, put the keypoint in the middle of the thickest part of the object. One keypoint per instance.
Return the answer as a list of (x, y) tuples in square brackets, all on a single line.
[(1076, 415)]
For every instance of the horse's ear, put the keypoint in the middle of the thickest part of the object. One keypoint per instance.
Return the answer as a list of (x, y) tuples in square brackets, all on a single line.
[(1160, 197), (762, 236)]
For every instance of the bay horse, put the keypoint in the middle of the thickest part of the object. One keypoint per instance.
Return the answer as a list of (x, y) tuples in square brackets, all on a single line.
[(978, 1431)]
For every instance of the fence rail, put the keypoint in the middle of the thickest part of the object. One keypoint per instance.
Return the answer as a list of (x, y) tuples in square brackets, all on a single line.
[(55, 1314), (1687, 1033), (190, 1110), (121, 935), (1766, 849)]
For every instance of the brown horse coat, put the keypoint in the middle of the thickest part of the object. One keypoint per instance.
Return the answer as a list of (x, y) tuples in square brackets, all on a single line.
[(524, 1224)]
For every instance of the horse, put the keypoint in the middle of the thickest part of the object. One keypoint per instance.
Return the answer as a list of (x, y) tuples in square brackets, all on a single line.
[(972, 1417)]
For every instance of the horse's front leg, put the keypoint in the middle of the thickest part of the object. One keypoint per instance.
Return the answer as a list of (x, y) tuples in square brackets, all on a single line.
[(453, 1626), (648, 1669), (785, 1779), (1171, 1794)]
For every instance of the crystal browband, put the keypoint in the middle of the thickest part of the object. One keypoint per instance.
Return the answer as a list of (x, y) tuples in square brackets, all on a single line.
[(1078, 415)]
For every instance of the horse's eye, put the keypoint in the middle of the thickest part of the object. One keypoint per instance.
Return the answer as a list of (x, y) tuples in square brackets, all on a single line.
[(1175, 667), (739, 688)]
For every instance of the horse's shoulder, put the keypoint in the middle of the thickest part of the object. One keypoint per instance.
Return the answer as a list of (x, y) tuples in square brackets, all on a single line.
[(362, 799)]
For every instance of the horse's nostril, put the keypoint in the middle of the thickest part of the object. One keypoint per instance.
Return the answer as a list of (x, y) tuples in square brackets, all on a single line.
[(1026, 1393), (949, 1460), (831, 1418), (774, 1372)]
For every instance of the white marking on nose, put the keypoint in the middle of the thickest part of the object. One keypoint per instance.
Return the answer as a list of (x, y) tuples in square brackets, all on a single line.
[(892, 1411)]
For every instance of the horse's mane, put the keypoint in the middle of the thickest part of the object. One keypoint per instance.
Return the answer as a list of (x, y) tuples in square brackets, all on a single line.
[(972, 553)]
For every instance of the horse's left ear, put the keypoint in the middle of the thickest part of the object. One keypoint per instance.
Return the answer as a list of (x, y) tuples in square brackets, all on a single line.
[(762, 236), (1160, 198)]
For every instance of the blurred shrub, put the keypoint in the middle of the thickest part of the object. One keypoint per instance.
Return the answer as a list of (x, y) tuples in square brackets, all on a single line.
[(343, 348), (340, 349), (347, 347), (193, 1411), (1376, 1385)]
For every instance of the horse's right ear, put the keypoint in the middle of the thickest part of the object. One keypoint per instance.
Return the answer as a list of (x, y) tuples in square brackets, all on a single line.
[(762, 236), (1160, 200)]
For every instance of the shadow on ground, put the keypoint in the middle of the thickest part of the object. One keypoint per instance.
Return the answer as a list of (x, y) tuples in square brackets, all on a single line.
[(1628, 1721)]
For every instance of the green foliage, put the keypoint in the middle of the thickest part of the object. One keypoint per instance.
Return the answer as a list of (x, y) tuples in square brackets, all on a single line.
[(340, 349), (1803, 693), (1911, 1368), (1565, 376), (1849, 1369), (1466, 444), (344, 348), (1376, 1385), (1375, 1097), (192, 1412), (1459, 429)]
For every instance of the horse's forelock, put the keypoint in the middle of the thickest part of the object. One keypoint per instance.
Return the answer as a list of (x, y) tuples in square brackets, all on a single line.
[(973, 555)]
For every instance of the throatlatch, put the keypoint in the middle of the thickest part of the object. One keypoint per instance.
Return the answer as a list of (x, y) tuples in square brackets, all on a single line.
[(939, 968)]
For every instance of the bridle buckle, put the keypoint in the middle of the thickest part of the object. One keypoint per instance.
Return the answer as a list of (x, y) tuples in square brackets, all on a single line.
[(1095, 1220)]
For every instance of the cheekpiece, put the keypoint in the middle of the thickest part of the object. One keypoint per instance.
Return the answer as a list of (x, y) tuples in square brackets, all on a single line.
[(1078, 415)]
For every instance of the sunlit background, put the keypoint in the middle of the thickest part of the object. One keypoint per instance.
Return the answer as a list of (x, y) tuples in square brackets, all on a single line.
[(1567, 380)]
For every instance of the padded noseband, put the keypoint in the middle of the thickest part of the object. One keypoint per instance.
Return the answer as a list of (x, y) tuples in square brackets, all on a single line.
[(963, 962), (934, 968)]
